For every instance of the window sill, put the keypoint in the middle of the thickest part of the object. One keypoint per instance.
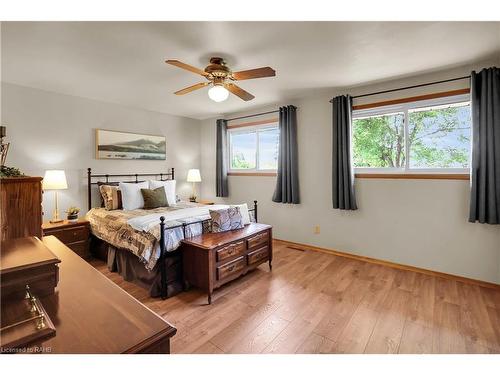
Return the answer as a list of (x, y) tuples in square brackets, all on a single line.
[(415, 176), (264, 174)]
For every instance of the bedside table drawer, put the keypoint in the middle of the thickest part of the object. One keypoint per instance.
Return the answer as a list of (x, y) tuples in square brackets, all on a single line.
[(69, 235), (230, 269), (230, 251)]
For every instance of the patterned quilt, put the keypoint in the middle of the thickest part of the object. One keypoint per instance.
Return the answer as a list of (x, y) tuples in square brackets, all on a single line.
[(112, 227)]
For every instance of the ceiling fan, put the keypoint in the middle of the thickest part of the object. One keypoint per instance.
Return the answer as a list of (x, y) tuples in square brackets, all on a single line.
[(221, 77)]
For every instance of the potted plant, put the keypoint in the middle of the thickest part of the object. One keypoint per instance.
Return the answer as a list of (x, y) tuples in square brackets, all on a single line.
[(73, 213)]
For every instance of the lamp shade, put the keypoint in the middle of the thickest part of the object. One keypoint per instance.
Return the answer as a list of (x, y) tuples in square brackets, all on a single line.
[(194, 175), (54, 180)]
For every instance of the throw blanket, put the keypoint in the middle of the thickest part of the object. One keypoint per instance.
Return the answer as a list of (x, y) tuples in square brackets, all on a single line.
[(138, 231), (146, 223)]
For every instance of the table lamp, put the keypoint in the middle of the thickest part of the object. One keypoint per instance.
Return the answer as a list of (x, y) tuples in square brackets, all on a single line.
[(55, 180), (193, 176)]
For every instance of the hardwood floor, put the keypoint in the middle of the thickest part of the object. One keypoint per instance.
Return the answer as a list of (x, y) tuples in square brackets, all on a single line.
[(314, 302)]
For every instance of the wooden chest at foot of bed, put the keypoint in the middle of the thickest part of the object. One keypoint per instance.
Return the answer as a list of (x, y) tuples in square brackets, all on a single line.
[(213, 259)]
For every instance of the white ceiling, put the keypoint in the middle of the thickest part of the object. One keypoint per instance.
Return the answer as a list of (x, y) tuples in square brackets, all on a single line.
[(123, 62)]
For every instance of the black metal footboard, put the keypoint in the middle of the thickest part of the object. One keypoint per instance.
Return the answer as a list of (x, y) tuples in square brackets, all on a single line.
[(206, 227)]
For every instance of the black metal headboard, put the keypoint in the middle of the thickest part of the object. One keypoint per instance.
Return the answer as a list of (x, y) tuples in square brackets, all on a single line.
[(90, 177)]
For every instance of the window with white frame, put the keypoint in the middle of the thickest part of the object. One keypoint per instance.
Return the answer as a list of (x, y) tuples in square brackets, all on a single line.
[(423, 136), (253, 148)]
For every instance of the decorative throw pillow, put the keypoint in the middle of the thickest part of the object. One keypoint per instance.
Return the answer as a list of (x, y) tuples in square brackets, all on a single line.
[(131, 195), (226, 219), (111, 197), (245, 215), (169, 186), (154, 198)]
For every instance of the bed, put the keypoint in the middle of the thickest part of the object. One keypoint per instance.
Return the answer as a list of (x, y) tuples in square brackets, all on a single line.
[(143, 246)]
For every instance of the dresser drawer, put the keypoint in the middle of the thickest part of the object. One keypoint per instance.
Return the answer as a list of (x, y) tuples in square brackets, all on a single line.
[(258, 255), (231, 268), (70, 235), (258, 240), (230, 251)]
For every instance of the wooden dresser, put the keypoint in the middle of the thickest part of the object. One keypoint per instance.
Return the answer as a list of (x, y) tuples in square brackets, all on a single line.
[(20, 207), (93, 315), (213, 259), (74, 234)]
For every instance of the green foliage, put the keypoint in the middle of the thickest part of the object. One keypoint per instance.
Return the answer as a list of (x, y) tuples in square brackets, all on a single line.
[(380, 141), (239, 162), (10, 172), (73, 210)]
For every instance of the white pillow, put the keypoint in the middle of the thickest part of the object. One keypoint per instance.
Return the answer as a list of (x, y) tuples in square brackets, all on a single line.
[(245, 215), (169, 186), (131, 195)]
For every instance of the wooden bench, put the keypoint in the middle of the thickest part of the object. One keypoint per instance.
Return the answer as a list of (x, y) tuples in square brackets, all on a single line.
[(213, 259)]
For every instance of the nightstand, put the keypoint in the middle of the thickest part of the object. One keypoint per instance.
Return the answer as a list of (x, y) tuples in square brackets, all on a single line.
[(75, 235), (205, 202)]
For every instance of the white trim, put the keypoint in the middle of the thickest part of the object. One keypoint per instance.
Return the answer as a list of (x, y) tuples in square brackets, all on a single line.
[(249, 129), (406, 108)]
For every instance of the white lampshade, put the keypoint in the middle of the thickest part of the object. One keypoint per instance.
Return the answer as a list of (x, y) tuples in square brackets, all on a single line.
[(194, 175), (218, 93), (54, 180)]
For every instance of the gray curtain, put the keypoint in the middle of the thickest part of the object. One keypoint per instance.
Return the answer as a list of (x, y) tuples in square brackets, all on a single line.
[(287, 184), (485, 166), (343, 196), (221, 160)]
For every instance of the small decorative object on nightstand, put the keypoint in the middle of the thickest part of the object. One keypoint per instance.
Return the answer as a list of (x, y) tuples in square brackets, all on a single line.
[(193, 176), (75, 234), (72, 213)]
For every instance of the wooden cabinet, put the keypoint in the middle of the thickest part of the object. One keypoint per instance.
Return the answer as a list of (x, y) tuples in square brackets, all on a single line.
[(213, 259), (75, 235), (20, 207)]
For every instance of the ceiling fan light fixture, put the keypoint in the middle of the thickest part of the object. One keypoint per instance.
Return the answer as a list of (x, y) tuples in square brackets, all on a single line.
[(218, 93)]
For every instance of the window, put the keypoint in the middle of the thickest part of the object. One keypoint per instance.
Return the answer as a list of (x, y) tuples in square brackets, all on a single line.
[(253, 148), (432, 136)]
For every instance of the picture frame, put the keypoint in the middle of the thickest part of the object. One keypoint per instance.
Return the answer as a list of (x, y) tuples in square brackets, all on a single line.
[(120, 145)]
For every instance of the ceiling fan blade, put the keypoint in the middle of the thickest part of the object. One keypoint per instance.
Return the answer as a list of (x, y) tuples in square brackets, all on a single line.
[(254, 73), (191, 88), (191, 68), (239, 92)]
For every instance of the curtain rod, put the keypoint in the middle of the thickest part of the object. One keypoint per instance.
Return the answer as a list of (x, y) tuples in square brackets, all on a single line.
[(257, 114), (410, 87)]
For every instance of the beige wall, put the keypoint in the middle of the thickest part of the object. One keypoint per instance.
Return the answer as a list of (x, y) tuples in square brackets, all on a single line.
[(416, 222), (54, 131)]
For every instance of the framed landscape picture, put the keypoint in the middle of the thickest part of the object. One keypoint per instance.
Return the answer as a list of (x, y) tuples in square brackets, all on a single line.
[(112, 144)]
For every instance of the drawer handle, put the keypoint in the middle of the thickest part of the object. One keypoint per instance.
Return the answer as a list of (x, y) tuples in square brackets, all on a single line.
[(230, 268)]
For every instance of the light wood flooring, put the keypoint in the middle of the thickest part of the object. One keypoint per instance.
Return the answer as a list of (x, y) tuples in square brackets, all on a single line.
[(314, 302)]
